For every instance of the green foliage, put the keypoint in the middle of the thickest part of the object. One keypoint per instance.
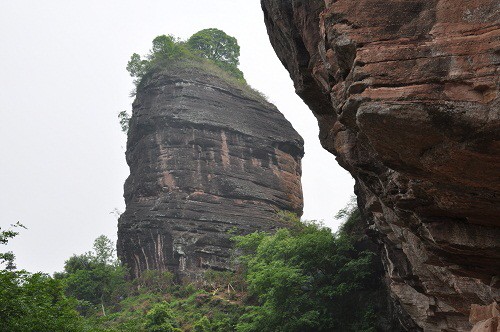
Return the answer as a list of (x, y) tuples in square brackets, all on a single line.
[(170, 310), (104, 251), (301, 278), (137, 67), (124, 119), (32, 302), (166, 48), (7, 258), (207, 311), (94, 278), (305, 279), (126, 314), (161, 319), (216, 45), (210, 44), (93, 283), (352, 225), (35, 302), (225, 281)]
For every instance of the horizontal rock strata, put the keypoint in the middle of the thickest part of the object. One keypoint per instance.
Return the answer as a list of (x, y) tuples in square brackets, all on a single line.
[(406, 93), (209, 158)]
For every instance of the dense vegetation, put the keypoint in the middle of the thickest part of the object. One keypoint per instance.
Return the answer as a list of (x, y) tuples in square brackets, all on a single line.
[(306, 279), (32, 301), (206, 46), (302, 278)]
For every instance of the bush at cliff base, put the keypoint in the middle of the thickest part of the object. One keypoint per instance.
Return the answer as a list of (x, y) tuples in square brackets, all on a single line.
[(307, 279)]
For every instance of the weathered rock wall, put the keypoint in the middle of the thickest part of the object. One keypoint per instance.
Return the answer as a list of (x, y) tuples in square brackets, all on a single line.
[(406, 93), (208, 159)]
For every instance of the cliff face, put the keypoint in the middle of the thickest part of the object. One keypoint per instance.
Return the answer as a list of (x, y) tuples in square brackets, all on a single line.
[(406, 97), (208, 160)]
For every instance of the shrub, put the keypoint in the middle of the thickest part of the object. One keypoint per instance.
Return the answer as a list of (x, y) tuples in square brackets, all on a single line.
[(305, 279), (161, 319)]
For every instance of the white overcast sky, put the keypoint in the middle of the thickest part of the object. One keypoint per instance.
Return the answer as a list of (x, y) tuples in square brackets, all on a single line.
[(63, 82)]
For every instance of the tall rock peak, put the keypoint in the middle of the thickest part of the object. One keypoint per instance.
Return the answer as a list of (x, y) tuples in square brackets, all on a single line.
[(406, 94), (209, 158)]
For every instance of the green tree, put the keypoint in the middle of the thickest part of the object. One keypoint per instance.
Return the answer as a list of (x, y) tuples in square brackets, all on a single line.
[(7, 258), (352, 222), (35, 302), (212, 44), (305, 279), (32, 302), (104, 251), (94, 277), (202, 325), (166, 48), (137, 67), (216, 45), (161, 319)]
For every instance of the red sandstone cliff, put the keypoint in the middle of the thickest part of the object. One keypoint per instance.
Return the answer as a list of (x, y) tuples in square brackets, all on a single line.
[(406, 93), (208, 159)]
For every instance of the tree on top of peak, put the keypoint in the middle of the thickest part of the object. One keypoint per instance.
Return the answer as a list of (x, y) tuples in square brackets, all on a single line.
[(166, 47), (216, 45), (211, 44)]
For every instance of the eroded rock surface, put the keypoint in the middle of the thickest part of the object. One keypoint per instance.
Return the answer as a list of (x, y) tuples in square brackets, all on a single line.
[(208, 160), (406, 93), (485, 318)]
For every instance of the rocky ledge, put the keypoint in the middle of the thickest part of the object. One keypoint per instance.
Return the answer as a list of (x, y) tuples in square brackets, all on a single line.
[(406, 97), (209, 158)]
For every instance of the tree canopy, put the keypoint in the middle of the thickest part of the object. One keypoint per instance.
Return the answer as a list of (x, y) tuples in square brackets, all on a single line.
[(307, 279), (94, 277), (212, 45), (32, 301), (216, 45)]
